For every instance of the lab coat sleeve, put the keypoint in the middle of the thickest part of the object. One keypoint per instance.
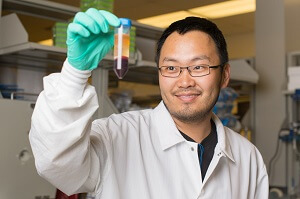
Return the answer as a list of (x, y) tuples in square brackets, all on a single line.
[(60, 134), (262, 187)]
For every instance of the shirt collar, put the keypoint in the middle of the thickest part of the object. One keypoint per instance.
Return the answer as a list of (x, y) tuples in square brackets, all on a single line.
[(208, 139)]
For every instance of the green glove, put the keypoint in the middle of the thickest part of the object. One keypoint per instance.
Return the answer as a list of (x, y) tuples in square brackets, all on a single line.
[(89, 38)]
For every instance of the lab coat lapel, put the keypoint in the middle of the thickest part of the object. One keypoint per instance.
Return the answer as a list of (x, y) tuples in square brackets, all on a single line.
[(223, 145), (169, 135), (165, 127)]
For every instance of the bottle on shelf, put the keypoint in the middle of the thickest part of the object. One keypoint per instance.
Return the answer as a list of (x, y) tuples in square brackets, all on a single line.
[(246, 132)]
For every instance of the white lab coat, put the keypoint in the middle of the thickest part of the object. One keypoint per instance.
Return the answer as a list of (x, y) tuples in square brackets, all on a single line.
[(133, 155)]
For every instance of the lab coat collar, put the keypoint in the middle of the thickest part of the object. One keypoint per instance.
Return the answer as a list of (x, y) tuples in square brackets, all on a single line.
[(223, 144), (169, 135), (165, 127)]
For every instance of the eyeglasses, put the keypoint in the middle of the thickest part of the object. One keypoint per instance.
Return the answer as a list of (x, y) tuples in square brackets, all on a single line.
[(195, 71)]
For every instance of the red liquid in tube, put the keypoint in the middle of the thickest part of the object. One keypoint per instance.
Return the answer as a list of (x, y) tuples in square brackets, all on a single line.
[(121, 72)]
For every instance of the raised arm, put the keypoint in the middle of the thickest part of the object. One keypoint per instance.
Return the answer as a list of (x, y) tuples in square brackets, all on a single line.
[(60, 134)]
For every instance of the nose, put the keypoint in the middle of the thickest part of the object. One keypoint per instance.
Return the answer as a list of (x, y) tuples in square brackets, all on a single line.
[(185, 79)]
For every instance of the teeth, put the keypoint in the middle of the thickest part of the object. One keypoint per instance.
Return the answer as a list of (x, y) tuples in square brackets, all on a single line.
[(187, 96)]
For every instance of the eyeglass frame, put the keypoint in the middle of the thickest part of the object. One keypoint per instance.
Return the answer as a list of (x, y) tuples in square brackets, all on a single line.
[(187, 67)]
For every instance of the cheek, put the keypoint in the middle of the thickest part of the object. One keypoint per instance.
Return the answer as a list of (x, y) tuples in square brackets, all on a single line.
[(165, 86), (209, 84)]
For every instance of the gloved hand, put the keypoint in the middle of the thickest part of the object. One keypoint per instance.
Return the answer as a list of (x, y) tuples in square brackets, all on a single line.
[(89, 38)]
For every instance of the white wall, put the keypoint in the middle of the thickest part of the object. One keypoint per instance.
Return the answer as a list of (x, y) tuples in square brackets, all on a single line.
[(270, 64), (292, 25)]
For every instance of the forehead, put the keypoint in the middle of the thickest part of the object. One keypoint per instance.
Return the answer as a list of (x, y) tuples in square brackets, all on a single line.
[(188, 46)]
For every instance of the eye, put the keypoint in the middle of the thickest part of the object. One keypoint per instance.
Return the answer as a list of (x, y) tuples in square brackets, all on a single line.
[(199, 67), (171, 68)]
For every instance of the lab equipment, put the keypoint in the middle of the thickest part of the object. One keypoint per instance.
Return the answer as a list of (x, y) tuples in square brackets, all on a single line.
[(121, 48), (224, 106), (59, 32), (122, 100), (107, 5), (19, 178), (289, 134)]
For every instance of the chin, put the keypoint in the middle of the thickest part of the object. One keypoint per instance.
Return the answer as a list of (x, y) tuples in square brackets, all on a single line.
[(189, 112), (189, 115)]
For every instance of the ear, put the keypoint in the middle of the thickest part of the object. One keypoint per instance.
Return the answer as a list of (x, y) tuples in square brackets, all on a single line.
[(225, 76)]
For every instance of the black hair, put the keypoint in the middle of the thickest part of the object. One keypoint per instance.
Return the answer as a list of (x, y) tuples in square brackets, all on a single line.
[(195, 23)]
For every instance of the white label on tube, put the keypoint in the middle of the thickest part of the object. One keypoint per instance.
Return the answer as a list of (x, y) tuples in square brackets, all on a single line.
[(120, 44)]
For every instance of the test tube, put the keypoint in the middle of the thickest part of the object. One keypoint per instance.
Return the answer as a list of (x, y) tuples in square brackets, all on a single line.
[(121, 47)]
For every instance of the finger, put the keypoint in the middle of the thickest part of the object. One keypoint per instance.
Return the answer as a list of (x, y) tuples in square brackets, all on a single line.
[(99, 19), (86, 21), (112, 19), (77, 29)]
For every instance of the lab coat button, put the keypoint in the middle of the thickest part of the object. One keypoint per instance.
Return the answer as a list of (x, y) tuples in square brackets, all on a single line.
[(202, 193), (192, 148)]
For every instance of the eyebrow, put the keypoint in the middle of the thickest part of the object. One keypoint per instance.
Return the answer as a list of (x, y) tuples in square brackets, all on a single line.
[(201, 57)]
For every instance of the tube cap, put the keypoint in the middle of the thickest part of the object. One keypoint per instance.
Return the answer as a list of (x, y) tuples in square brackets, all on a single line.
[(125, 21)]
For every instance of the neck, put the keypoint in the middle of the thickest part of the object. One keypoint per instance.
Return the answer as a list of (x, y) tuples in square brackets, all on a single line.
[(196, 130)]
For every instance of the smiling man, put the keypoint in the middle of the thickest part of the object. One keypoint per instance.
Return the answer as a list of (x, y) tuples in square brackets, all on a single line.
[(178, 150), (191, 79)]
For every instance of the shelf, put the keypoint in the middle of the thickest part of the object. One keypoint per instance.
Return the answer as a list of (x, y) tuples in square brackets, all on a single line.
[(33, 55), (144, 63), (39, 56), (62, 12), (288, 92), (41, 8), (146, 31), (51, 58), (241, 71)]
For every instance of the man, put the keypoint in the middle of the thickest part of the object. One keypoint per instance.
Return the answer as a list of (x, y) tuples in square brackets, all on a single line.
[(179, 150)]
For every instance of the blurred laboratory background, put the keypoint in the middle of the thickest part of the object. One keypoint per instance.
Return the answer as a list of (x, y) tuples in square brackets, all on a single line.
[(261, 102)]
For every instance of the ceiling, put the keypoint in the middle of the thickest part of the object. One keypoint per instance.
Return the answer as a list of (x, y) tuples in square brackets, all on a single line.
[(137, 9)]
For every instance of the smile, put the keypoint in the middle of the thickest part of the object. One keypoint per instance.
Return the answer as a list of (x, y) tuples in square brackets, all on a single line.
[(187, 97)]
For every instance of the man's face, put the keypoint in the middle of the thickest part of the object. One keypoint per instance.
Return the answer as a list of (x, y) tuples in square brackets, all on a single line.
[(190, 99)]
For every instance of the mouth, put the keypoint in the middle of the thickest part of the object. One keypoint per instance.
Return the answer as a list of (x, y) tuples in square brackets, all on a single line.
[(187, 97)]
